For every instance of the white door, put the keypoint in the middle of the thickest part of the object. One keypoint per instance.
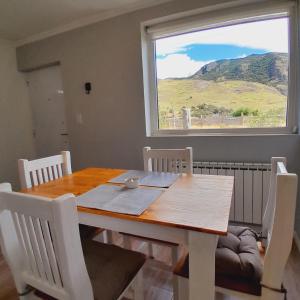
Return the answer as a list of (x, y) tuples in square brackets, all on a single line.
[(48, 108)]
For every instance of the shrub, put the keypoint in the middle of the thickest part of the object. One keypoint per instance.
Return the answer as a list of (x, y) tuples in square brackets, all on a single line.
[(244, 111), (209, 110)]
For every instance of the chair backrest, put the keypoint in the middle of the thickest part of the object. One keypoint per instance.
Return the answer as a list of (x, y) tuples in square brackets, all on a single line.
[(40, 241), (168, 160), (35, 172), (278, 225), (269, 209)]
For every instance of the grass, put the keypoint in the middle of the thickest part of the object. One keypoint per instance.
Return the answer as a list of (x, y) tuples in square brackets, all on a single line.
[(267, 102), (175, 94)]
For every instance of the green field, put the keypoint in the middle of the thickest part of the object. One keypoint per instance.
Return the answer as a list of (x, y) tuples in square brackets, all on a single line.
[(230, 96)]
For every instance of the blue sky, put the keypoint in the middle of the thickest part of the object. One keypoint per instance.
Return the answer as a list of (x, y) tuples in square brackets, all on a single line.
[(183, 55), (211, 52)]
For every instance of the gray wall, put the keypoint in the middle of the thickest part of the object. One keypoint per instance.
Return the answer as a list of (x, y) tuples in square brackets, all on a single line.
[(113, 131), (16, 139)]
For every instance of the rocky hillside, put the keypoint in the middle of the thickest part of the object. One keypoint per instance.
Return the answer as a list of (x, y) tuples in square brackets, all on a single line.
[(270, 69)]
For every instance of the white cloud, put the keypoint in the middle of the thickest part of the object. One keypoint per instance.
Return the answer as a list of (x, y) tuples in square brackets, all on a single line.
[(177, 66), (270, 35)]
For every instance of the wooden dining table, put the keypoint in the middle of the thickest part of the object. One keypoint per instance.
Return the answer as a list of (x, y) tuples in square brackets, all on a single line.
[(193, 211)]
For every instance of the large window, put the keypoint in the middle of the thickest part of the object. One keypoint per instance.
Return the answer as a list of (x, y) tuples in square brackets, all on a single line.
[(222, 77)]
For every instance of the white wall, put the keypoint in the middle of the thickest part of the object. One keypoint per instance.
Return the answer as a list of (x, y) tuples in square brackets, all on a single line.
[(113, 131), (16, 139)]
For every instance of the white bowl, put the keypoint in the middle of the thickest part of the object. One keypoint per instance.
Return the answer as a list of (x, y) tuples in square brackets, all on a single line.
[(132, 182)]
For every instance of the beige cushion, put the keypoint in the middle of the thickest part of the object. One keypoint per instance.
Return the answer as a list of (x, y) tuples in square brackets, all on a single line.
[(110, 268)]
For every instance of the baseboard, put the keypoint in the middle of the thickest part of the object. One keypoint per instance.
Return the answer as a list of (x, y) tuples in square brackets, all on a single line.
[(297, 240)]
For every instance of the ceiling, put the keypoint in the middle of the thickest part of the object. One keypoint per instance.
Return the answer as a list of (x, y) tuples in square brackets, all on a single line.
[(20, 20)]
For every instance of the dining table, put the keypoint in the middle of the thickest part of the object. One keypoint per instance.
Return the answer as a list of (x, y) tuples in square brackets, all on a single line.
[(193, 211)]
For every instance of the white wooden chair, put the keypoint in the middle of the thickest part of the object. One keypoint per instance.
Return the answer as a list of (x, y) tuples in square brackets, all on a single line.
[(40, 241), (36, 172), (168, 160), (278, 228), (164, 160)]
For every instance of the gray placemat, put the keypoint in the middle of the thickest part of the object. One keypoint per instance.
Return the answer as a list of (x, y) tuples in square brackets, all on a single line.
[(154, 179), (119, 199)]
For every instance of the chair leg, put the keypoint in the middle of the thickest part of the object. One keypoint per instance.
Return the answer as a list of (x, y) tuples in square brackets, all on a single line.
[(139, 286), (30, 296), (176, 279), (175, 287), (109, 238), (101, 238), (175, 255), (127, 242), (27, 297), (220, 296), (268, 294), (25, 292), (150, 250), (181, 291)]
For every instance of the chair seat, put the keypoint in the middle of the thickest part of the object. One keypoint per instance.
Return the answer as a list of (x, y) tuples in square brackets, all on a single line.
[(238, 262), (110, 268), (149, 239)]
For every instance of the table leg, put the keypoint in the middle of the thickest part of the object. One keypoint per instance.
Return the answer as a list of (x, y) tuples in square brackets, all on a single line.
[(202, 249)]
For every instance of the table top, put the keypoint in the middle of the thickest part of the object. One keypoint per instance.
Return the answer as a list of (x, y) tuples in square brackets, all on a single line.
[(194, 202)]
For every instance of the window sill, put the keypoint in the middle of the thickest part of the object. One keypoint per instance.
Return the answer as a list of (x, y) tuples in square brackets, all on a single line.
[(218, 134)]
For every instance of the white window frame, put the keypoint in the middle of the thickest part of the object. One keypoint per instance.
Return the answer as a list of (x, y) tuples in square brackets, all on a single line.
[(212, 17)]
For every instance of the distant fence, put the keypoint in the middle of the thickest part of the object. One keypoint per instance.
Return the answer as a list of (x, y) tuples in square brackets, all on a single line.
[(220, 121)]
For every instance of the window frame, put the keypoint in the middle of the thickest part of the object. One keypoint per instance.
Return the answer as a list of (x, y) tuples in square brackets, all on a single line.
[(229, 14)]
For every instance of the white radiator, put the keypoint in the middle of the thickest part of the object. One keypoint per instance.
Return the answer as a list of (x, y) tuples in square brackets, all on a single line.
[(251, 187)]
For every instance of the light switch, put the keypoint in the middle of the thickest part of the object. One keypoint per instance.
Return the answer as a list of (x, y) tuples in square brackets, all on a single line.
[(79, 118)]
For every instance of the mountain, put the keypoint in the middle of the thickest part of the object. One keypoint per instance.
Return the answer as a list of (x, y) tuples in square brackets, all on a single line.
[(269, 68)]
